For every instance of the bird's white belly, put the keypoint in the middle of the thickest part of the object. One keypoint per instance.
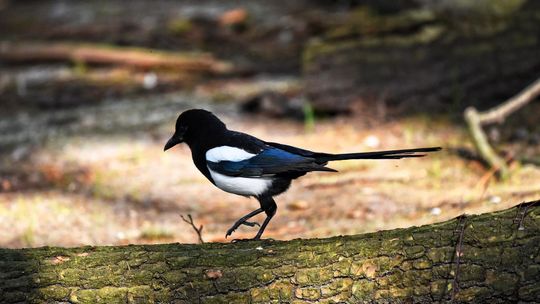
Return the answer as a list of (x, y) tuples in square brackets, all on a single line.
[(248, 186)]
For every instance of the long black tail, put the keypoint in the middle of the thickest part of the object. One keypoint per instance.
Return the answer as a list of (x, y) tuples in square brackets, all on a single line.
[(390, 154)]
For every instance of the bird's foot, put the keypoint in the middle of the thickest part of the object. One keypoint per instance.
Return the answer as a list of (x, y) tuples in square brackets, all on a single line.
[(238, 224)]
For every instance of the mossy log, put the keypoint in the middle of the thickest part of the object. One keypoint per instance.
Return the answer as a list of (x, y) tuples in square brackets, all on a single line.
[(479, 258), (437, 55)]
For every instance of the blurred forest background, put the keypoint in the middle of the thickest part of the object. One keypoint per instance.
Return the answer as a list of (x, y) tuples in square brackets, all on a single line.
[(90, 90)]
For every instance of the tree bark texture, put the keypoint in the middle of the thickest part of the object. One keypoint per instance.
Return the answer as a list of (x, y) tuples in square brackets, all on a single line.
[(440, 55), (479, 258)]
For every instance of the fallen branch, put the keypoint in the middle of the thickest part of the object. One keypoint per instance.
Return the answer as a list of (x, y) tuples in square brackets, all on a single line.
[(475, 120), (499, 113), (98, 54), (498, 262)]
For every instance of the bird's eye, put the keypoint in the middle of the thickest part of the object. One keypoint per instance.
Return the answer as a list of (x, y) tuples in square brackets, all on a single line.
[(181, 130)]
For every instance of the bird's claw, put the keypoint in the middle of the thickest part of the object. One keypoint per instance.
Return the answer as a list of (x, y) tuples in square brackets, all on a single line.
[(236, 225), (251, 224)]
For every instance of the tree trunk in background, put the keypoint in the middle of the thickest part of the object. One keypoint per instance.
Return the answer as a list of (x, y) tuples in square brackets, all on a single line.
[(498, 261), (429, 54)]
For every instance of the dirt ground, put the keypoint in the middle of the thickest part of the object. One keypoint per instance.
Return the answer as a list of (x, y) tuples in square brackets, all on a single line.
[(106, 189)]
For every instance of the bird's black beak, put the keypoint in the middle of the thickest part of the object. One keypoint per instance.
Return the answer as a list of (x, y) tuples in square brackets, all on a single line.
[(173, 141)]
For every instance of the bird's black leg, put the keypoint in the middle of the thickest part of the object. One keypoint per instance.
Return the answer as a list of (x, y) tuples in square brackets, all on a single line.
[(243, 221), (269, 206)]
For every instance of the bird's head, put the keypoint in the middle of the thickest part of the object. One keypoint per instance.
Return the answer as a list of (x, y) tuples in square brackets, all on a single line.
[(192, 124)]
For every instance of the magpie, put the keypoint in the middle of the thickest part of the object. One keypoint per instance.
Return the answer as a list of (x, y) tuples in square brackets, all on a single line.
[(239, 163)]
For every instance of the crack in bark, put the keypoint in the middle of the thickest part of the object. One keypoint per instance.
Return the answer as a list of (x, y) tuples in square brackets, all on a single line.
[(459, 252), (523, 212)]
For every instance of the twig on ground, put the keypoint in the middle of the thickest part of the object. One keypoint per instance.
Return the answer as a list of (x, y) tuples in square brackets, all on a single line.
[(483, 182), (197, 230)]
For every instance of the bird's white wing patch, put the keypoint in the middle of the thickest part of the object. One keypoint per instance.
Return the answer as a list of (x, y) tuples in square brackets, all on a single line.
[(227, 153), (248, 186)]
